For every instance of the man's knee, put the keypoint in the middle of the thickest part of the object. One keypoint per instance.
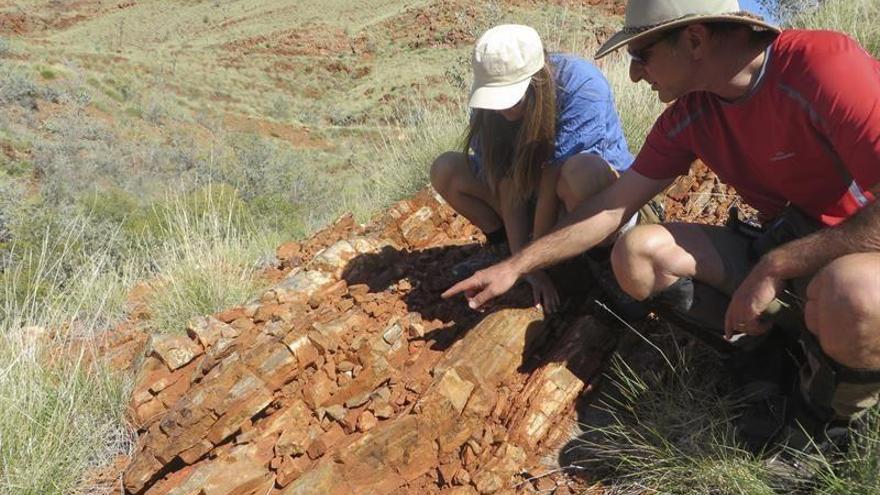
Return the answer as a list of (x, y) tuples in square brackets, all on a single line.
[(633, 259), (843, 310)]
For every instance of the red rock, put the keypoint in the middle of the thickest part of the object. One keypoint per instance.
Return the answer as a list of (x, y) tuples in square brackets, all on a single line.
[(350, 420), (288, 251), (322, 342), (174, 392), (464, 376), (462, 477), (268, 312), (292, 442), (196, 452), (148, 412), (174, 350), (246, 407), (318, 391), (242, 324), (326, 441), (275, 364), (232, 314), (306, 353), (447, 472), (291, 469), (140, 471), (366, 421)]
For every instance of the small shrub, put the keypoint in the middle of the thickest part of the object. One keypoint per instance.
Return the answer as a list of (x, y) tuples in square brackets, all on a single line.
[(17, 88), (206, 263)]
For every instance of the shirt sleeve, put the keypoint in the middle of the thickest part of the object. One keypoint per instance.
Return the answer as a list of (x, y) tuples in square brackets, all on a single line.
[(581, 126), (666, 154), (845, 89)]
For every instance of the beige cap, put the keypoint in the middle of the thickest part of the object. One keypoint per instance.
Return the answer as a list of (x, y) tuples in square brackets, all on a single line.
[(505, 59), (645, 17)]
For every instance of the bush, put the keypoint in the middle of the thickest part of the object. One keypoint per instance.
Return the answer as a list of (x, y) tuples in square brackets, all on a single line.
[(206, 260)]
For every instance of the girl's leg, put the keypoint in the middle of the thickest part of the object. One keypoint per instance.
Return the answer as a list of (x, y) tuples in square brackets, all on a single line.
[(582, 176), (453, 178)]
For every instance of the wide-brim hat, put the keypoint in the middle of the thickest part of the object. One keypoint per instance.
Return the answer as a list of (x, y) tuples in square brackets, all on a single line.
[(647, 17), (504, 60)]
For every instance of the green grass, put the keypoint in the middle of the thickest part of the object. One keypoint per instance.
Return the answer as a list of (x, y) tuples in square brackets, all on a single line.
[(668, 428), (165, 193), (849, 16), (206, 262), (63, 410)]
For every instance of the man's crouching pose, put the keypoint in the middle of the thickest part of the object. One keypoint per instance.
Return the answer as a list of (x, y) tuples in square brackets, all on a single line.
[(791, 119)]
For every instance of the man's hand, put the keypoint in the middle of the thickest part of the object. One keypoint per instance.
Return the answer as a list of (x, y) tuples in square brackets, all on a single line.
[(751, 298), (485, 285), (544, 292)]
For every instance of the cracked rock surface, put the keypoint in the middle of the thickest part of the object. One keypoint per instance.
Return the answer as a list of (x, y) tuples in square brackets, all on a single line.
[(352, 376)]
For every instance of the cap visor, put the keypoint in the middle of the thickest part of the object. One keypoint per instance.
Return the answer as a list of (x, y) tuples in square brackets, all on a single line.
[(498, 97)]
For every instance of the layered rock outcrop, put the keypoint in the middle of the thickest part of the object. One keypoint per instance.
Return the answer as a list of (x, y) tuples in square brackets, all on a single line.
[(352, 375)]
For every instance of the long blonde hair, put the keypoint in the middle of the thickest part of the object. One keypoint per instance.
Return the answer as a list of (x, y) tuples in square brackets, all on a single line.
[(518, 150)]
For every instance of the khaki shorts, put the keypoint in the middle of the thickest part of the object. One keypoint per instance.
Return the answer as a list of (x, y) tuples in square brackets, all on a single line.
[(741, 247), (834, 391)]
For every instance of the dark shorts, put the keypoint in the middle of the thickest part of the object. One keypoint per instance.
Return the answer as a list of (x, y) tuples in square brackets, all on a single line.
[(741, 246)]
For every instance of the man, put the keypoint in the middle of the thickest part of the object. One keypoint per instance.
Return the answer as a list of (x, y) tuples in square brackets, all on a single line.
[(791, 119)]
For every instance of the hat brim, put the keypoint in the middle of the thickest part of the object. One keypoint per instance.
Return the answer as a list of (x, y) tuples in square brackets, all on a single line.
[(498, 97), (622, 38)]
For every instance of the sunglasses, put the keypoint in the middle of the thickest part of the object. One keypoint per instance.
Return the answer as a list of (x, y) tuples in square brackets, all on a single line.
[(640, 56)]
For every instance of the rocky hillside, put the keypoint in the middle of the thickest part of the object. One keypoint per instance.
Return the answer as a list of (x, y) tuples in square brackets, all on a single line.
[(351, 375)]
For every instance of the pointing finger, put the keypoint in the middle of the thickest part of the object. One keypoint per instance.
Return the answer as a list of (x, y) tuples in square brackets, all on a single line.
[(467, 285)]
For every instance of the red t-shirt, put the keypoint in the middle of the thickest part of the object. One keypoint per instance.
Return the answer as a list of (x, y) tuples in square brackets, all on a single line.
[(808, 133)]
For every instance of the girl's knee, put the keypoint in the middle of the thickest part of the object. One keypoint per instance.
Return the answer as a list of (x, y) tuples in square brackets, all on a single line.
[(583, 175), (443, 170)]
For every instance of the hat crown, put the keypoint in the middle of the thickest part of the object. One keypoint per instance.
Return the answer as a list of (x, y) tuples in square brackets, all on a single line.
[(643, 14), (507, 54)]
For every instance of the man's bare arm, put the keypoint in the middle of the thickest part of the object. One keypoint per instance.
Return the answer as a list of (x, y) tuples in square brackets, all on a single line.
[(591, 222), (583, 228)]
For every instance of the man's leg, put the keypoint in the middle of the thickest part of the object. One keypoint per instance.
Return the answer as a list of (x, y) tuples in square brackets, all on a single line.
[(453, 178), (651, 258), (843, 315)]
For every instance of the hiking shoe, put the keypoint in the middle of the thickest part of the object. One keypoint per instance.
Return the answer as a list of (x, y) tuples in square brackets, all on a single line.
[(698, 309), (808, 430), (763, 416), (767, 376)]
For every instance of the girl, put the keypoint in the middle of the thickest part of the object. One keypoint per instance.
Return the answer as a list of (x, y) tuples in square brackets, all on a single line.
[(544, 136)]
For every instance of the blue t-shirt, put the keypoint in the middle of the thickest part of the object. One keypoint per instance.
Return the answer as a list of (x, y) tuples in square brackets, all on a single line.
[(586, 118)]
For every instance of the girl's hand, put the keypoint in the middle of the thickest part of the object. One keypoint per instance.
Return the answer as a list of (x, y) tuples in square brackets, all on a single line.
[(543, 291)]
